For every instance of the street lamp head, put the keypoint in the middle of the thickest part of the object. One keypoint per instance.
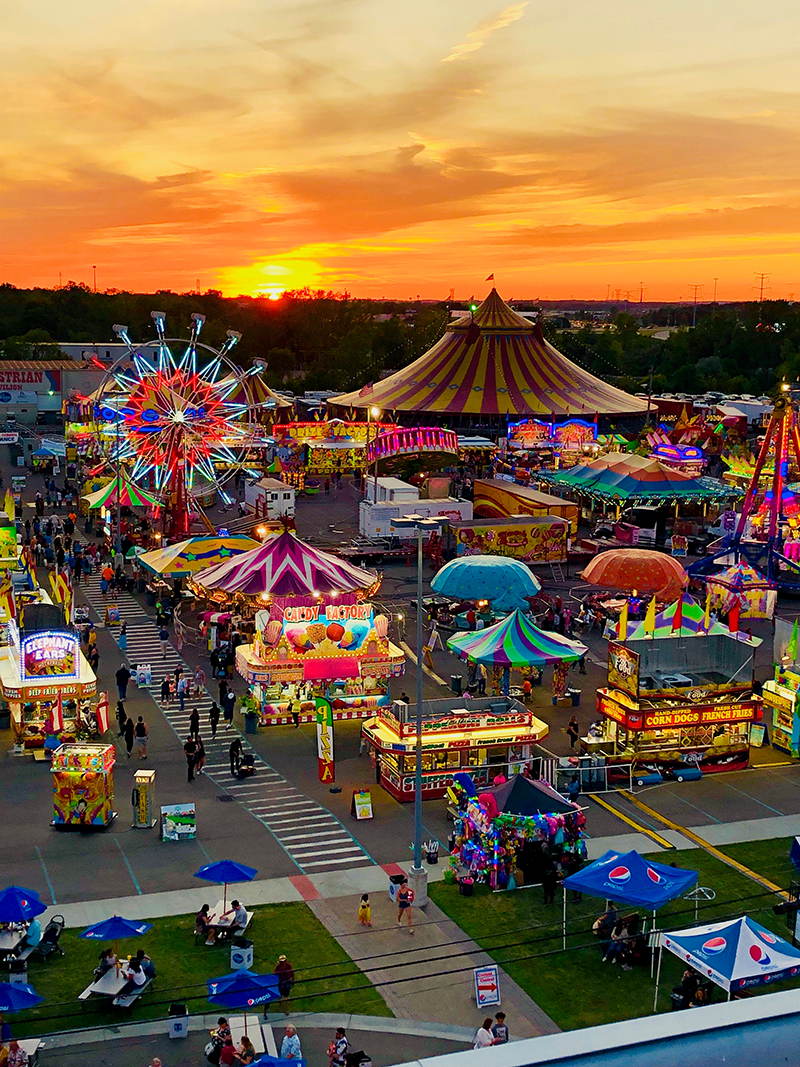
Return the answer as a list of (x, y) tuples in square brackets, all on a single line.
[(375, 412)]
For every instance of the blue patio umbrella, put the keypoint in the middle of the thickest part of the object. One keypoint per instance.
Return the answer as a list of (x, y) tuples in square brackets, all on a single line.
[(42, 452), (505, 582), (276, 1061), (224, 871), (115, 928), (243, 989), (19, 905), (17, 997)]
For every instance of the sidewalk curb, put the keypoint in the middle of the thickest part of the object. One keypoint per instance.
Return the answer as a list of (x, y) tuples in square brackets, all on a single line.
[(303, 1020)]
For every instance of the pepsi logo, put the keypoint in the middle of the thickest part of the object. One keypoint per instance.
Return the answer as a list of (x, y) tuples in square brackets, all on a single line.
[(250, 1002), (654, 876), (620, 875), (715, 945), (771, 939), (759, 956)]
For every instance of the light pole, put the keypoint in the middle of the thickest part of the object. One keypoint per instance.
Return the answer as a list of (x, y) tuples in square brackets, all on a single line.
[(372, 413), (418, 875)]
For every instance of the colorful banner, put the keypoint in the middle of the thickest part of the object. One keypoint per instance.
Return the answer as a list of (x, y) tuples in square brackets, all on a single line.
[(325, 739), (623, 668)]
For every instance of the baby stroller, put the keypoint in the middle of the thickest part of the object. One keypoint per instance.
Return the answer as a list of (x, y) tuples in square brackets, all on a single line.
[(357, 1059), (247, 765), (49, 944)]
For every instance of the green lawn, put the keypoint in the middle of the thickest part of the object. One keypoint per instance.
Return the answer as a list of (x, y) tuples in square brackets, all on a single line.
[(768, 858), (574, 987), (324, 972)]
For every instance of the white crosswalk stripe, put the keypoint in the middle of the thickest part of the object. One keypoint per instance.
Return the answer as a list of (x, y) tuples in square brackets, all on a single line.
[(310, 835)]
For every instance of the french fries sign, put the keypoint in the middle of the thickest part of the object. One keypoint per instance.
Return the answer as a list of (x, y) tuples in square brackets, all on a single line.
[(324, 739)]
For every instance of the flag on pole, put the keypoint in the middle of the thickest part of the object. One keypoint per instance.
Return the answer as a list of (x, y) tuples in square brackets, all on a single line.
[(102, 713), (57, 711), (791, 648), (7, 602), (622, 628), (650, 617), (8, 505), (490, 278), (366, 390), (707, 620), (733, 617), (677, 618)]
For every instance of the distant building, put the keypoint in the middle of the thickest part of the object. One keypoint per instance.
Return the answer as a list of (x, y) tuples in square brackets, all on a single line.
[(32, 390)]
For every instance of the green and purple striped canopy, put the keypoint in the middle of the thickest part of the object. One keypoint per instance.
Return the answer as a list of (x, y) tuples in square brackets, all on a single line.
[(515, 642)]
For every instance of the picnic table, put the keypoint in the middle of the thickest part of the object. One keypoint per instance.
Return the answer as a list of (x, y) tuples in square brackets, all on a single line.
[(236, 1023), (108, 985), (224, 924), (9, 939)]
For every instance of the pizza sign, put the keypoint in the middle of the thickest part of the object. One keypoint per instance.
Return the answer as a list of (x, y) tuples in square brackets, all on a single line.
[(52, 654)]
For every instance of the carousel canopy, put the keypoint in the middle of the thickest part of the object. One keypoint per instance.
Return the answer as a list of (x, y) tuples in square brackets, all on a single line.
[(741, 578), (628, 478), (642, 569), (129, 495), (494, 362), (742, 584), (515, 642), (286, 566), (194, 554), (503, 581)]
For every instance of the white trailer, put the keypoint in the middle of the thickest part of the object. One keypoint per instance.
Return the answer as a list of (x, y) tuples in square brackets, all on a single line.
[(375, 520), (269, 498)]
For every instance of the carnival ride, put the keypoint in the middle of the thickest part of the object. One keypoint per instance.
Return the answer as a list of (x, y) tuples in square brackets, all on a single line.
[(178, 425), (767, 535)]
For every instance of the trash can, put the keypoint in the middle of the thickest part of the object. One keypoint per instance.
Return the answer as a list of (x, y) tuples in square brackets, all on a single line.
[(141, 585), (455, 684), (17, 972), (241, 954), (178, 1020), (395, 881), (432, 856), (150, 597), (465, 886), (251, 723), (5, 718)]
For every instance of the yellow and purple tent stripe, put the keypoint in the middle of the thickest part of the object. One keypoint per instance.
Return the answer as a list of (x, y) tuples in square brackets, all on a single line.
[(515, 642), (195, 554)]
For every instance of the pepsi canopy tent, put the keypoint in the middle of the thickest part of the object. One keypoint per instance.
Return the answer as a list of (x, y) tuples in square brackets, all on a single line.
[(628, 878), (735, 955)]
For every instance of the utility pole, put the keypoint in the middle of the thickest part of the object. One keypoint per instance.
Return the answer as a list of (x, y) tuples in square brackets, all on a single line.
[(697, 289), (715, 289), (761, 279), (94, 277), (641, 292)]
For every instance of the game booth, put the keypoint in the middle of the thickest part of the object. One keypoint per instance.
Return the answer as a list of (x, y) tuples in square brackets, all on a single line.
[(47, 684), (83, 786), (492, 736), (678, 697), (507, 834)]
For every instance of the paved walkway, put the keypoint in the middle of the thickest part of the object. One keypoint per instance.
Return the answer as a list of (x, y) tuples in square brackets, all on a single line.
[(432, 977), (311, 836)]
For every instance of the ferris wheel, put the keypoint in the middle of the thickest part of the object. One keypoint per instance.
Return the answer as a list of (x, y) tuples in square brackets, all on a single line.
[(175, 415)]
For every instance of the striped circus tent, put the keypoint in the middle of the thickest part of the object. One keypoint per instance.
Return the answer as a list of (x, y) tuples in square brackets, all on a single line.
[(130, 495), (194, 554), (254, 393), (286, 566), (515, 642), (494, 362)]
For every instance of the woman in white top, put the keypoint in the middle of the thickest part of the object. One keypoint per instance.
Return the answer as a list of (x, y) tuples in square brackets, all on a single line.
[(483, 1036)]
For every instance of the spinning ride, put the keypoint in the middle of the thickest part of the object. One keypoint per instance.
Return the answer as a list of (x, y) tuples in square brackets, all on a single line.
[(178, 425)]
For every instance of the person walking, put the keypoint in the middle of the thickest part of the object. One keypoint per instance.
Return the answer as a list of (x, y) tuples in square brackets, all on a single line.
[(285, 973), (94, 658), (228, 704), (235, 756), (129, 736), (183, 689), (223, 689), (213, 717), (405, 898), (549, 881), (500, 1032), (338, 1049), (198, 680), (122, 718), (365, 911), (190, 751), (166, 690), (296, 707), (200, 756), (483, 1035), (123, 676), (194, 722), (140, 731), (123, 633), (163, 636), (290, 1046), (573, 731)]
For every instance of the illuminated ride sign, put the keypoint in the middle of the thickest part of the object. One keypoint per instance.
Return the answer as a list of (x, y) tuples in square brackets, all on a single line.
[(571, 433), (51, 655)]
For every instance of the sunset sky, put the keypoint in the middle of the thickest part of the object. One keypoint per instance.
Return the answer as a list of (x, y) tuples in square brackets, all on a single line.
[(402, 148)]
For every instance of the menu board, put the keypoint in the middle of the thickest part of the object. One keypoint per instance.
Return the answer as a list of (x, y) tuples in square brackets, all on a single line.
[(51, 654)]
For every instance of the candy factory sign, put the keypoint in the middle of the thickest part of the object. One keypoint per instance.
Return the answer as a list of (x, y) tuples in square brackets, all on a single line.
[(328, 612)]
